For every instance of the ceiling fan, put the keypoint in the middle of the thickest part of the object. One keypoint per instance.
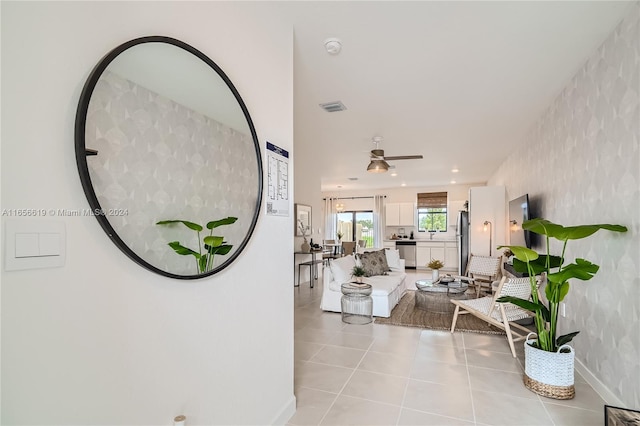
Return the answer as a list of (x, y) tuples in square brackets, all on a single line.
[(379, 163)]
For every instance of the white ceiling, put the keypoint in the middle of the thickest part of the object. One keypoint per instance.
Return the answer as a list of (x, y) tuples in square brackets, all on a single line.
[(458, 82)]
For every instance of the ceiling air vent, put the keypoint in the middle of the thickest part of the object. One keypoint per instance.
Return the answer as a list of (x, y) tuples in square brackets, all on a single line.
[(333, 106)]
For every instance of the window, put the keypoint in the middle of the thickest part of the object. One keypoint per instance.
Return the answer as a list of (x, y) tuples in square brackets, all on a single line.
[(432, 211), (360, 224)]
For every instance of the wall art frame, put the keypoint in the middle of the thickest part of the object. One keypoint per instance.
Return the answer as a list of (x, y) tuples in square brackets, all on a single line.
[(618, 416), (303, 220)]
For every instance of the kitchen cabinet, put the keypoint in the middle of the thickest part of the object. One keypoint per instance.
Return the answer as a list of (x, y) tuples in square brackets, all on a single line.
[(427, 250), (400, 214), (446, 251)]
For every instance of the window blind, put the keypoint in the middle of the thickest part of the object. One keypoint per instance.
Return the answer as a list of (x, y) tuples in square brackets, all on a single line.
[(435, 200)]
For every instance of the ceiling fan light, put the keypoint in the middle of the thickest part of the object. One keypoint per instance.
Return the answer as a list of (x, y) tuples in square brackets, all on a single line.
[(378, 166)]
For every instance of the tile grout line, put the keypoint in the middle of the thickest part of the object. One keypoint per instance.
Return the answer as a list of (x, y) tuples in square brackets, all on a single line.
[(406, 387), (466, 366), (545, 410), (347, 382)]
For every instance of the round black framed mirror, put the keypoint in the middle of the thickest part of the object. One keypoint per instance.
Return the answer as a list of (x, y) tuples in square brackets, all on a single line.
[(168, 157)]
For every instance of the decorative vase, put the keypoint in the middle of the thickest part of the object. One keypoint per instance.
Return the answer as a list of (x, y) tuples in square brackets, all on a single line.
[(305, 246), (435, 274), (359, 280), (549, 374)]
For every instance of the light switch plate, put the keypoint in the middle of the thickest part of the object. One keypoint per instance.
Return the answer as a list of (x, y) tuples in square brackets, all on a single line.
[(49, 243), (26, 244), (34, 244)]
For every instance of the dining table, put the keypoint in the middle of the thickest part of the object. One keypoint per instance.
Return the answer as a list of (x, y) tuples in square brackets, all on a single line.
[(334, 248)]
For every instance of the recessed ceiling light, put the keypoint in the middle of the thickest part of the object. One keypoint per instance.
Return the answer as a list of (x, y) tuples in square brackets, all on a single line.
[(454, 170), (394, 174), (403, 184), (453, 181)]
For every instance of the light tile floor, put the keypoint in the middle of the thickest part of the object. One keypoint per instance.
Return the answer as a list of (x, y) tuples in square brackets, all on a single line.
[(388, 375)]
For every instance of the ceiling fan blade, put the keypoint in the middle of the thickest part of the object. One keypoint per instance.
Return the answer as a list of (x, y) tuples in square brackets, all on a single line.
[(404, 157)]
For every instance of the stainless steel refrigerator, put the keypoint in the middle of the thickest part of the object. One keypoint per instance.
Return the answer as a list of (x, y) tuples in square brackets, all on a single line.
[(462, 237)]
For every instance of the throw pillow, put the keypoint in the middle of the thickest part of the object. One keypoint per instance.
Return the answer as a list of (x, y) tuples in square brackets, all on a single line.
[(393, 258), (374, 263), (341, 268)]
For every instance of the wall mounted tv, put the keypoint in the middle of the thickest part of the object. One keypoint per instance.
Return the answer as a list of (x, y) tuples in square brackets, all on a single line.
[(519, 211)]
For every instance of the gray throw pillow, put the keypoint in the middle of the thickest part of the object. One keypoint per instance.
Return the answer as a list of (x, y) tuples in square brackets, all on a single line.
[(374, 263)]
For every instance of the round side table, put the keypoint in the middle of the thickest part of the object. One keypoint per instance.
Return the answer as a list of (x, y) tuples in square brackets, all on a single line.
[(357, 304)]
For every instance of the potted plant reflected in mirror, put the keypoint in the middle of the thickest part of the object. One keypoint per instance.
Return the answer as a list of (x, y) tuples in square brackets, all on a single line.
[(435, 265), (339, 234), (212, 244), (358, 272), (549, 360)]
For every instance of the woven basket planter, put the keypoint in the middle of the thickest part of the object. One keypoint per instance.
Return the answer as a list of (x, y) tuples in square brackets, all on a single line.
[(549, 374)]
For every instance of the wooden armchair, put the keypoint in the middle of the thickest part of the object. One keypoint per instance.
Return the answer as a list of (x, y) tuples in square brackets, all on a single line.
[(481, 272), (501, 315)]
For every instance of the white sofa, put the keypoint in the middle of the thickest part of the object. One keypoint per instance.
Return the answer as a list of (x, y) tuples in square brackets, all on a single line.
[(387, 290)]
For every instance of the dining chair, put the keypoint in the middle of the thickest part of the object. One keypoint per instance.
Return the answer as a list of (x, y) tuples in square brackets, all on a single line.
[(329, 251), (362, 243), (501, 315), (348, 247)]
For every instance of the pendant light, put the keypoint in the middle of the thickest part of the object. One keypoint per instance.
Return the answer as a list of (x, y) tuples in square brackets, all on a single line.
[(378, 166), (339, 204)]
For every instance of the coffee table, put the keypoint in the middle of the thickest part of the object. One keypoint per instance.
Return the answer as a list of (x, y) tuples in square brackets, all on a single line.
[(435, 296)]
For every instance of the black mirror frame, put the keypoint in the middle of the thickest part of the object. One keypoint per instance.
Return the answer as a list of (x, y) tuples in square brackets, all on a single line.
[(82, 152)]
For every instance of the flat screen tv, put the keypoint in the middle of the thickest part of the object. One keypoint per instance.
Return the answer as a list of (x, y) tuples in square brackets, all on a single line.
[(519, 211)]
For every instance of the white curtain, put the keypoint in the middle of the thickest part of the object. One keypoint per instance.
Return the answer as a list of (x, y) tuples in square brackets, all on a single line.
[(379, 220), (330, 218)]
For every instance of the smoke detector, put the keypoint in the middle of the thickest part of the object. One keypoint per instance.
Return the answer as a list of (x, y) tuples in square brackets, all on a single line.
[(333, 46)]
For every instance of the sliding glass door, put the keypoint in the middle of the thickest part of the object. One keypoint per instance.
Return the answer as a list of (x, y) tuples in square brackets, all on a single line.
[(356, 225)]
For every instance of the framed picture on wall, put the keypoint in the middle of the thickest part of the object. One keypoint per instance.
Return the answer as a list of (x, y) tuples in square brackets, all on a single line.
[(617, 416), (303, 220)]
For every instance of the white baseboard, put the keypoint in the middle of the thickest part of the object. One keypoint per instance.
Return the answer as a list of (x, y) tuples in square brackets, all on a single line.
[(597, 385), (286, 412)]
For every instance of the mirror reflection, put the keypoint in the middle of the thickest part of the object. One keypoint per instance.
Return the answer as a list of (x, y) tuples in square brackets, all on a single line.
[(173, 142)]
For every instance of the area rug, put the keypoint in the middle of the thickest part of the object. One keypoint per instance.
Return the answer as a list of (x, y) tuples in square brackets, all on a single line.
[(406, 314)]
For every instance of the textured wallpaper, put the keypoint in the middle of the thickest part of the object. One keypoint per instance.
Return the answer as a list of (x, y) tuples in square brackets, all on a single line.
[(580, 164), (159, 160)]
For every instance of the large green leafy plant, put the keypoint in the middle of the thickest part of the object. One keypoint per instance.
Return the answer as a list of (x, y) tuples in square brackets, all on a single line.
[(557, 276), (212, 244)]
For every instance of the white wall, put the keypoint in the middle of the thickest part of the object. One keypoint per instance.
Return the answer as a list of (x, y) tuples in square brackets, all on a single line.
[(579, 165), (101, 340)]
